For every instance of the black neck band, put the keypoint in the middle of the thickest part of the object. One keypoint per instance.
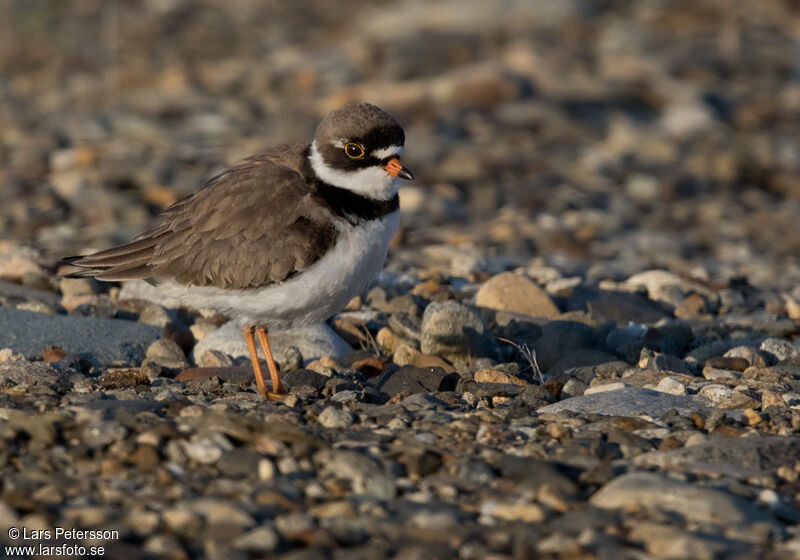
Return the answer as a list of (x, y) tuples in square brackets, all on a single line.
[(347, 204)]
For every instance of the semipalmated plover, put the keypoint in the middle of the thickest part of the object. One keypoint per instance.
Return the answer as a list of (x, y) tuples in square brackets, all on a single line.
[(285, 238)]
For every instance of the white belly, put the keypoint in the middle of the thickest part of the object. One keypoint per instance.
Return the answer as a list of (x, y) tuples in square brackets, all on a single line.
[(313, 295)]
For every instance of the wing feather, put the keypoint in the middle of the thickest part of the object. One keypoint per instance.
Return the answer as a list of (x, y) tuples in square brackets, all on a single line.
[(251, 226)]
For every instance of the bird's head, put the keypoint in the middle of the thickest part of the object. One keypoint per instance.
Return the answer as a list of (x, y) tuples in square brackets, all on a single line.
[(358, 148)]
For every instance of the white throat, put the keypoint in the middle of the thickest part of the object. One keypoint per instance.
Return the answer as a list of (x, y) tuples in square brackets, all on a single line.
[(372, 182)]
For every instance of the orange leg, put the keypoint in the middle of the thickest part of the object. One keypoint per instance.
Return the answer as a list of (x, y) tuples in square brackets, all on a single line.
[(277, 388), (251, 347)]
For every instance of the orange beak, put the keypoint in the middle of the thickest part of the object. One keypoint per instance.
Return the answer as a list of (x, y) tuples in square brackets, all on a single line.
[(396, 169)]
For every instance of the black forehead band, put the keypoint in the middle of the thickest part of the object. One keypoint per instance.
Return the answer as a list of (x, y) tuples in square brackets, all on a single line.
[(383, 137)]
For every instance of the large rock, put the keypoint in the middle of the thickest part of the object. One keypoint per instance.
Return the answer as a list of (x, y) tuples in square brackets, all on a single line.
[(740, 457), (511, 292), (630, 401), (103, 342), (313, 341), (698, 504), (456, 332)]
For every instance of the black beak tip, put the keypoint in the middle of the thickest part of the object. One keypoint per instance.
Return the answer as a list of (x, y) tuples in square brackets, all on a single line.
[(406, 174)]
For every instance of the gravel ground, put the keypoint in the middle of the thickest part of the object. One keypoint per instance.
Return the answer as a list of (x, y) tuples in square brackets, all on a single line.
[(586, 341)]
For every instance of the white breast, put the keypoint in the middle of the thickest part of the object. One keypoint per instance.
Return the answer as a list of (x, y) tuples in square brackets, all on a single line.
[(311, 296)]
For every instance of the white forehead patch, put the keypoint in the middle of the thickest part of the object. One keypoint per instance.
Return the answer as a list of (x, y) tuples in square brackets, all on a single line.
[(393, 150)]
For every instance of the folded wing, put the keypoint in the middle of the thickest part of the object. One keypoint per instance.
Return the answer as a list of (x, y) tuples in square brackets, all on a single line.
[(253, 225)]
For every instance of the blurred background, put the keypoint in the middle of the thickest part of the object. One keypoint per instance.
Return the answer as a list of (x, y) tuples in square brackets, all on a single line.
[(601, 137)]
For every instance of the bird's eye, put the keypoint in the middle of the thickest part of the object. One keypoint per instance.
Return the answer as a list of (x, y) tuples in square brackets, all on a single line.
[(353, 150)]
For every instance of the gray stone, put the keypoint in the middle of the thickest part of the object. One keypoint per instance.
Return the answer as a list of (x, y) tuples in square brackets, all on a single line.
[(164, 546), (306, 377), (204, 451), (345, 396), (722, 396), (574, 387), (712, 349), (156, 315), (676, 543), (260, 540), (672, 386), (333, 417), (741, 457), (365, 474), (27, 374), (534, 396), (17, 292), (294, 523), (752, 355), (412, 380), (630, 401), (221, 511), (101, 341), (167, 353), (781, 350), (456, 332), (98, 433), (560, 340), (214, 358), (655, 492), (313, 342)]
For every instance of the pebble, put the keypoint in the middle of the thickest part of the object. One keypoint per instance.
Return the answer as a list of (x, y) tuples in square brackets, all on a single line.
[(410, 380), (167, 353), (220, 511), (629, 401), (781, 350), (527, 513), (752, 355), (722, 396), (495, 376), (605, 388), (512, 292), (654, 492), (366, 476), (214, 358), (671, 386), (263, 539), (455, 332), (205, 452), (333, 417), (98, 433)]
